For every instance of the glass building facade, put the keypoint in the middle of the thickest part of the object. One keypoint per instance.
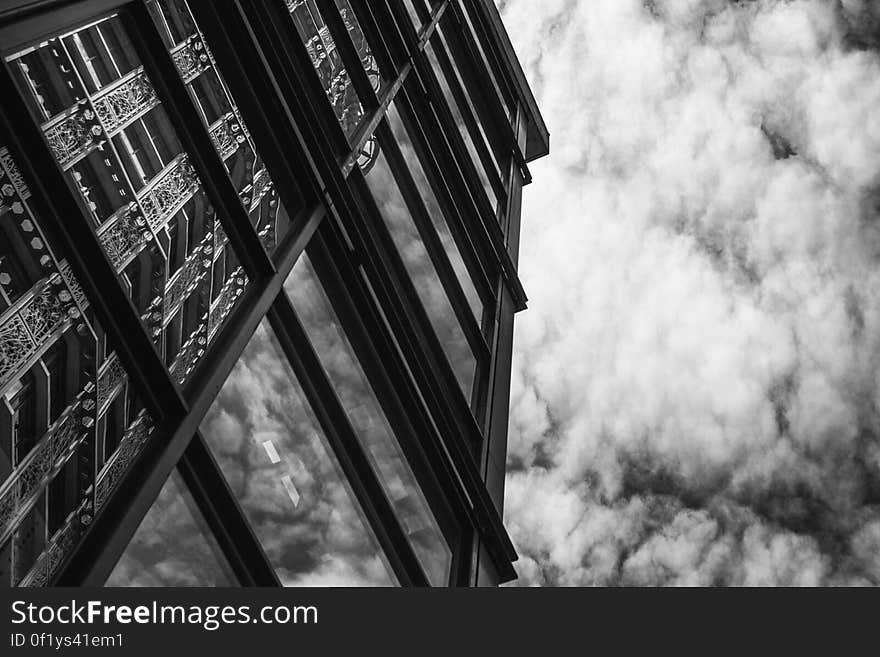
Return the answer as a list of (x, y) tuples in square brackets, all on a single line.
[(257, 289)]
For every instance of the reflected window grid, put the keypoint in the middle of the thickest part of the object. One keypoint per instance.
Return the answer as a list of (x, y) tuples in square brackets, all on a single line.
[(222, 119), (117, 145), (70, 421)]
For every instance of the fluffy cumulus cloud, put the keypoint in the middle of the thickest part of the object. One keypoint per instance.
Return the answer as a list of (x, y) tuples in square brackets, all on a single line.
[(695, 394)]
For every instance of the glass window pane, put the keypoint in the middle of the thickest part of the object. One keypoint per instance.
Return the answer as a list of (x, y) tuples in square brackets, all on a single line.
[(222, 119), (425, 278), (173, 546), (430, 51), (474, 93), (372, 428), (401, 135), (71, 422), (328, 63), (119, 149), (272, 451)]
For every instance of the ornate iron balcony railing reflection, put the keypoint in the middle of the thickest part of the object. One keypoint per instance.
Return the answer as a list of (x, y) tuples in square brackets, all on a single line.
[(22, 488), (49, 350)]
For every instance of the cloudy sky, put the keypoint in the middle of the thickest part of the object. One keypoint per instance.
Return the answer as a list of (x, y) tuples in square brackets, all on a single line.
[(695, 397)]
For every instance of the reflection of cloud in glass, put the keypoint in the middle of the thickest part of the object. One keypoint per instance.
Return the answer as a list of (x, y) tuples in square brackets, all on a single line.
[(172, 546), (370, 424), (271, 450), (418, 264)]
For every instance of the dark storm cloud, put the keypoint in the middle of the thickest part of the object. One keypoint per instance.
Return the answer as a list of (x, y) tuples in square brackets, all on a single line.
[(695, 397)]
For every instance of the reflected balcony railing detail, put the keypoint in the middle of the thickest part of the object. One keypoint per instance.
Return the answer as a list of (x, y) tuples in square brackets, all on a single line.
[(221, 117), (73, 135), (328, 63), (60, 545), (108, 130), (227, 135), (124, 235), (190, 353), (27, 327), (169, 191), (185, 281), (129, 447), (191, 59), (111, 378), (119, 104), (49, 349), (44, 460), (227, 298)]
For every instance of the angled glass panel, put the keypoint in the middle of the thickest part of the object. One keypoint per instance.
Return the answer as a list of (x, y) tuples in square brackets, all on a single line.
[(221, 118), (273, 453), (401, 135), (71, 422), (457, 116), (110, 134), (394, 210), (366, 416), (474, 93), (328, 63), (173, 546)]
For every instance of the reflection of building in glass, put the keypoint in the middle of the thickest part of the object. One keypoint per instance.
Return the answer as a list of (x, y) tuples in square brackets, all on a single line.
[(257, 287)]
